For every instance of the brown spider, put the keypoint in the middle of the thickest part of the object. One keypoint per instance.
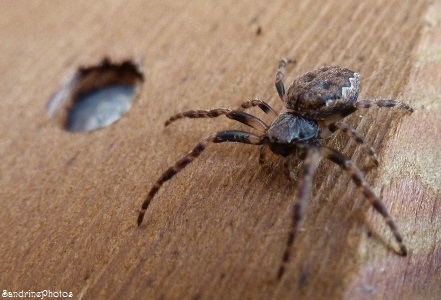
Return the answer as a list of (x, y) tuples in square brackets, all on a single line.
[(315, 103)]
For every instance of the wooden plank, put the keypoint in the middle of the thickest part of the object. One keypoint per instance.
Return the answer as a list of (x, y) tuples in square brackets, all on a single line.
[(219, 229)]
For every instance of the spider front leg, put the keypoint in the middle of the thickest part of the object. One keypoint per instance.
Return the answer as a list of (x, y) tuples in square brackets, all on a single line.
[(279, 77), (219, 137), (239, 116), (357, 177), (265, 107)]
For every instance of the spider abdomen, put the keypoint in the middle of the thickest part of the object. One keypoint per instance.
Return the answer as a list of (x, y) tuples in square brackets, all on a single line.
[(324, 92)]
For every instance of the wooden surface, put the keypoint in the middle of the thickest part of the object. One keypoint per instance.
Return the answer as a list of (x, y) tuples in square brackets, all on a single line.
[(218, 230)]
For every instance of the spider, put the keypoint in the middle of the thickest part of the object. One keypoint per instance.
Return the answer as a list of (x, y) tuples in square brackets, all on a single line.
[(315, 104)]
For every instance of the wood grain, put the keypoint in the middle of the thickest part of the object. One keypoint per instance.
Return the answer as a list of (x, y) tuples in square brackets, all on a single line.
[(218, 230)]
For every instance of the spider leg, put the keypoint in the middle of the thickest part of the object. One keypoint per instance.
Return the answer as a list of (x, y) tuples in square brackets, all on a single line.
[(266, 108), (310, 164), (239, 116), (262, 105), (219, 137), (279, 77), (353, 134), (262, 153), (293, 164), (357, 177), (367, 103)]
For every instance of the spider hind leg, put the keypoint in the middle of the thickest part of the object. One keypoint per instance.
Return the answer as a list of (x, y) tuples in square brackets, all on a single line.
[(353, 134), (310, 165), (357, 177)]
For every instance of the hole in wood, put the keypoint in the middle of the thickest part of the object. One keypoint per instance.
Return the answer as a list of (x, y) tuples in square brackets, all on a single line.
[(96, 96)]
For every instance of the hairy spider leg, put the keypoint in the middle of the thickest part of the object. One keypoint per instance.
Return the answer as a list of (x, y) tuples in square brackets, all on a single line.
[(265, 107), (331, 124), (357, 177), (219, 137), (236, 115), (295, 157), (262, 153), (310, 165), (239, 116), (279, 77), (353, 134), (367, 103)]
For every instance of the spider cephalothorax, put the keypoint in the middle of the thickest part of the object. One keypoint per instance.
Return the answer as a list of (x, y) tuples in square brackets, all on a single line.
[(289, 131), (315, 104)]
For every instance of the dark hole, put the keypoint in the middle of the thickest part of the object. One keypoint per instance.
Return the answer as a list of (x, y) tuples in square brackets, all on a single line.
[(96, 96), (100, 108)]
